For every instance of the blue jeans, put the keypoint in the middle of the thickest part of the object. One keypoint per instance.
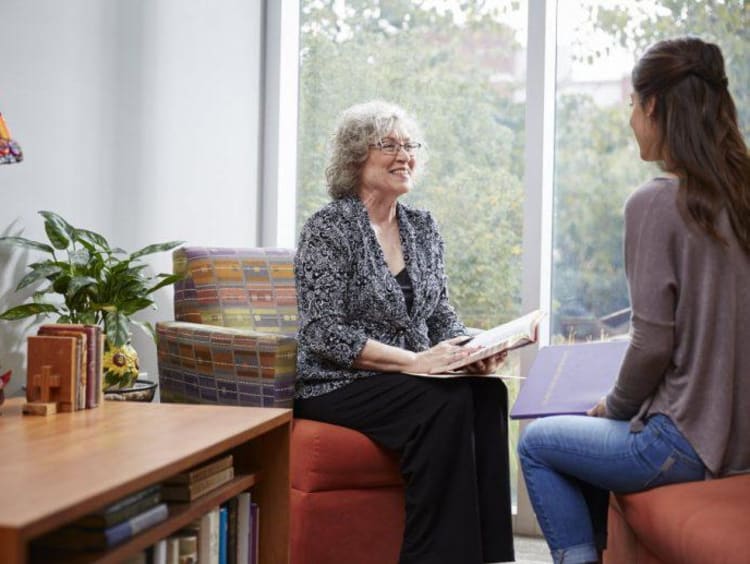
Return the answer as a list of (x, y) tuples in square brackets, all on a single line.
[(571, 462)]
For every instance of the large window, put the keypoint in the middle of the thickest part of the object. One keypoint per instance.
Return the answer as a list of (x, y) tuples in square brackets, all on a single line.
[(597, 164)]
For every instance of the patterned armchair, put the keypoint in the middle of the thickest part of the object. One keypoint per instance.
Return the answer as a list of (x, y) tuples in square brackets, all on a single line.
[(233, 338), (233, 343)]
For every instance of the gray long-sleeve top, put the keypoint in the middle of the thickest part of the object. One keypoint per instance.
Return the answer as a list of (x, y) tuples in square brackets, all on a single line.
[(346, 294), (689, 355)]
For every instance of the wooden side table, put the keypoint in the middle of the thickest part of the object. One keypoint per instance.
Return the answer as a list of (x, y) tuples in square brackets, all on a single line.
[(56, 469)]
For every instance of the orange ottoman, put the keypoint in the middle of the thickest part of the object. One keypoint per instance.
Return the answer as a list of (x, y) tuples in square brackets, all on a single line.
[(347, 501), (693, 523)]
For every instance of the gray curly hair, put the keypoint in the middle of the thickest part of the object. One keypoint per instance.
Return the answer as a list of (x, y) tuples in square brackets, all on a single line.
[(357, 128)]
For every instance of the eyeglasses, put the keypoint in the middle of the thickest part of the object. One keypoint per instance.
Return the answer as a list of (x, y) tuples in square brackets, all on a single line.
[(392, 148)]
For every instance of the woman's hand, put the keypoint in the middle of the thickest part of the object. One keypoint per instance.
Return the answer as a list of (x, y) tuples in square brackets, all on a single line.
[(487, 365), (435, 359), (600, 409)]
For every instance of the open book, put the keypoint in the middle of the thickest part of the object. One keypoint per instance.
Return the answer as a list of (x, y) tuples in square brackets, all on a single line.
[(514, 334)]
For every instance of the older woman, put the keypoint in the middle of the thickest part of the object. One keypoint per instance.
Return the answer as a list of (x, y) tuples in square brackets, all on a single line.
[(373, 306)]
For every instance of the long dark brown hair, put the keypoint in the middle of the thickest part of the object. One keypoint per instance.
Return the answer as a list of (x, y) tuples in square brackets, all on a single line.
[(700, 139)]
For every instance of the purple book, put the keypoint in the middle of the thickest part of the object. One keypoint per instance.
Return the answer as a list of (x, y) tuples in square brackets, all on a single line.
[(569, 379)]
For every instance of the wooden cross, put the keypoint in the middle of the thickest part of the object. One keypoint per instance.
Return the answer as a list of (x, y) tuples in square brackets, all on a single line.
[(43, 385), (46, 382)]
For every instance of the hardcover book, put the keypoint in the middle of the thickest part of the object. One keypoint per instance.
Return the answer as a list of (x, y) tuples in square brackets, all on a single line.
[(92, 356), (122, 509), (232, 507), (99, 539), (569, 379), (208, 537), (81, 357), (189, 492), (223, 515), (201, 472), (243, 527)]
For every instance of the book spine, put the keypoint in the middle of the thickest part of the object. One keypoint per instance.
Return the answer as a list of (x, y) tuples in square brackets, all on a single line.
[(111, 517), (190, 492), (92, 393), (232, 530), (134, 525), (201, 473), (208, 540), (100, 366), (243, 528), (159, 552), (255, 533), (223, 535), (129, 500), (173, 550)]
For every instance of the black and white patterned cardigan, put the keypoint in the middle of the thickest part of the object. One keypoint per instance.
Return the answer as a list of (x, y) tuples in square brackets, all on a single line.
[(346, 294)]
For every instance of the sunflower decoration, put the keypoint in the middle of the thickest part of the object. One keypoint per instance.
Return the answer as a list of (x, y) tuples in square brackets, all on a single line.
[(120, 367)]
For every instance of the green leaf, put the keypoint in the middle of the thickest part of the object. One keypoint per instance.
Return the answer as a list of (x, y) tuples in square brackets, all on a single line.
[(129, 307), (80, 257), (59, 231), (27, 310), (88, 318), (78, 283), (91, 237), (61, 284), (168, 279), (37, 273), (116, 328), (28, 244), (156, 248)]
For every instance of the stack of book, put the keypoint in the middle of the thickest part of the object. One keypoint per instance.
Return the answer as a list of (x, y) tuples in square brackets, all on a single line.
[(190, 485), (64, 367), (111, 525)]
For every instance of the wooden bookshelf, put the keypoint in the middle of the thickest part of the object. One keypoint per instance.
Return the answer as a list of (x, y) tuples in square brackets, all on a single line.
[(58, 468)]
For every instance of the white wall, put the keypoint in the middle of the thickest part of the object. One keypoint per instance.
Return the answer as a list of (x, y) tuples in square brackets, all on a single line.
[(139, 119)]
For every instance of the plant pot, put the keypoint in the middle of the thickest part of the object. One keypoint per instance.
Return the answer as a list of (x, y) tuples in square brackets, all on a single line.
[(142, 390)]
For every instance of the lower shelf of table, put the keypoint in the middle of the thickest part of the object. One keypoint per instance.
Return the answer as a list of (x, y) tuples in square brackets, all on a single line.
[(180, 515)]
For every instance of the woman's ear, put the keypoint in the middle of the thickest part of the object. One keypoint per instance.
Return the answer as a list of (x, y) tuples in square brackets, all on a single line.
[(650, 106)]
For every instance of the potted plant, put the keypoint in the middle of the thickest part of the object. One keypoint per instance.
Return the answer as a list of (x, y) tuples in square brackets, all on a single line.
[(87, 281)]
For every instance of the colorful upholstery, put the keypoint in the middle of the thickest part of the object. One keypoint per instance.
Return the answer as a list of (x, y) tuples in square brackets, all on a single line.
[(233, 338)]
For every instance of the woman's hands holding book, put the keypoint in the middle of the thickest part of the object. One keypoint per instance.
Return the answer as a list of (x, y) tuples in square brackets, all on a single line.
[(435, 359), (487, 365)]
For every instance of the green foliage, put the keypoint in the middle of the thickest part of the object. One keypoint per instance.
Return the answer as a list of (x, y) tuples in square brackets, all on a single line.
[(597, 166), (635, 24), (412, 56), (90, 282), (596, 160)]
